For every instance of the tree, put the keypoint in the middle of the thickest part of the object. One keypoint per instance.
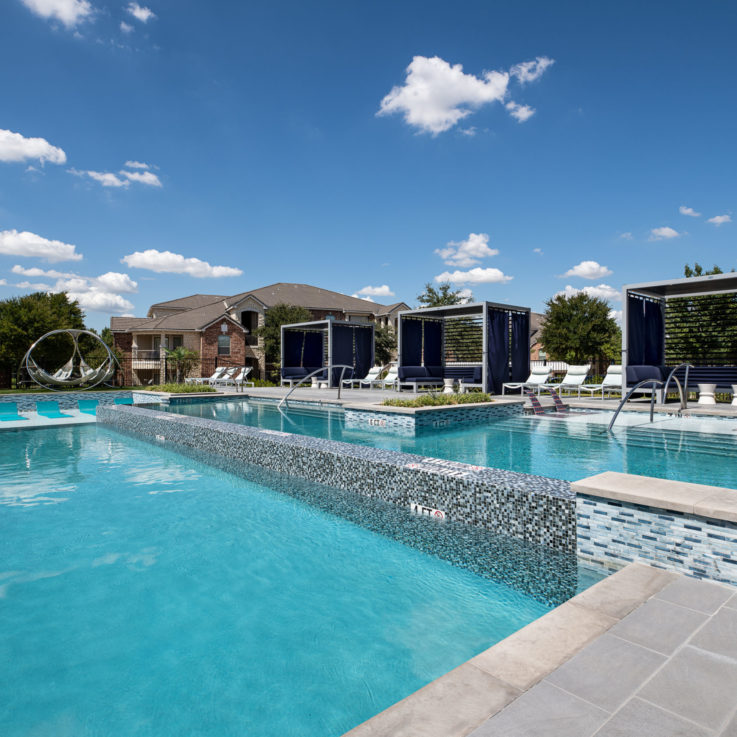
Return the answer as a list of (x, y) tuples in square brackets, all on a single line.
[(443, 295), (278, 315), (24, 320), (578, 329), (182, 359), (385, 345)]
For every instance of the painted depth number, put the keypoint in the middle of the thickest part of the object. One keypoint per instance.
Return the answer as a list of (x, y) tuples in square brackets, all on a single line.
[(424, 511)]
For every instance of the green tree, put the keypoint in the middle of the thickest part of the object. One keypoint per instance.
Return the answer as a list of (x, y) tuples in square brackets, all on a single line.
[(276, 316), (443, 295), (579, 330), (183, 360), (24, 320), (385, 345)]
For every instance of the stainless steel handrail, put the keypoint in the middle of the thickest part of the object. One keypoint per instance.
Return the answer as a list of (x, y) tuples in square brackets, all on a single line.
[(653, 383), (684, 400), (314, 373)]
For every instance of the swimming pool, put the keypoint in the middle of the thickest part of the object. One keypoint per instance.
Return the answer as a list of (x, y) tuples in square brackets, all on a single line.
[(146, 593), (569, 449)]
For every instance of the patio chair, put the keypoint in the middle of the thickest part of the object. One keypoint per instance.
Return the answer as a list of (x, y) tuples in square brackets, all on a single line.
[(50, 410), (226, 377), (371, 378), (573, 380), (391, 379), (537, 378), (612, 382), (206, 379), (9, 412), (88, 406), (241, 380)]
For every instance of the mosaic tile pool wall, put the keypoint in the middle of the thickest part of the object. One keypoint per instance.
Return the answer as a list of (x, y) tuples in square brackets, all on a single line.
[(697, 546), (68, 400), (532, 508)]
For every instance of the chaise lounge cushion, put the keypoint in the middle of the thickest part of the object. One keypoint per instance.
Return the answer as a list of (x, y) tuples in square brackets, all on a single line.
[(636, 374), (419, 374)]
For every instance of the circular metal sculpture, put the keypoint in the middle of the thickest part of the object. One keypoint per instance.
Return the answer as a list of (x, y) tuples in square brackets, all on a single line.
[(75, 373)]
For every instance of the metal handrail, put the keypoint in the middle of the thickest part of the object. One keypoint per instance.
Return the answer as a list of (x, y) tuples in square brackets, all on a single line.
[(315, 372), (684, 401), (652, 382)]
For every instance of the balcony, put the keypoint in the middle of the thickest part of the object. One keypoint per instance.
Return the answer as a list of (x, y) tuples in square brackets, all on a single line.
[(144, 358)]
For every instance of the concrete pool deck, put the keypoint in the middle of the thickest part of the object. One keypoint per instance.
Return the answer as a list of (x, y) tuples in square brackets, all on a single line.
[(643, 652)]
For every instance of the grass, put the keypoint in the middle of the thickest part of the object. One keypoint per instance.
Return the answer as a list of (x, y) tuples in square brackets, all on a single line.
[(179, 388), (438, 400)]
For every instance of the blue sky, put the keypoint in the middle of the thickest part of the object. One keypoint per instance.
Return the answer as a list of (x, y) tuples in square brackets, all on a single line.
[(520, 149)]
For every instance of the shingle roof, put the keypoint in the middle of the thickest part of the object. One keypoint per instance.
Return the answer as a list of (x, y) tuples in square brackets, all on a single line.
[(195, 319), (191, 302), (307, 296), (386, 309), (121, 324)]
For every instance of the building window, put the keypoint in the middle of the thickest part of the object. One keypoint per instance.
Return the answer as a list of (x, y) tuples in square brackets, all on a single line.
[(223, 345), (175, 341)]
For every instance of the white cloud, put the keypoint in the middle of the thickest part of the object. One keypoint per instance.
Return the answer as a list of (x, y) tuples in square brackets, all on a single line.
[(140, 13), (100, 301), (37, 286), (30, 245), (689, 211), (474, 276), (520, 113), (125, 27), (529, 71), (658, 234), (720, 219), (105, 178), (144, 177), (3, 282), (69, 12), (468, 252), (364, 297), (470, 131), (589, 270), (15, 147), (616, 315), (436, 95), (175, 263), (603, 291), (626, 236), (466, 295), (136, 165), (538, 250), (382, 291)]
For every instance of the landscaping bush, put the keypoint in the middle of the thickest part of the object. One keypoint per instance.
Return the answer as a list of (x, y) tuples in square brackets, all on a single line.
[(439, 400), (180, 388)]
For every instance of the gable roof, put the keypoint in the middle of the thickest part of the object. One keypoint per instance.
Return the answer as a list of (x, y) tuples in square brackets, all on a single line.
[(121, 324), (195, 319), (386, 309), (189, 303), (307, 296)]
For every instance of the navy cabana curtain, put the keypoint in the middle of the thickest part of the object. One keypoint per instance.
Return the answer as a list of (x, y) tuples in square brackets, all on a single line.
[(636, 331), (411, 343), (342, 349), (433, 343), (498, 350), (292, 348), (520, 346), (313, 349), (363, 343), (654, 333)]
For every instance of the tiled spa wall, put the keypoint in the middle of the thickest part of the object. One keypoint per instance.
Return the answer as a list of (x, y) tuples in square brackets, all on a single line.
[(697, 546), (68, 400), (532, 508)]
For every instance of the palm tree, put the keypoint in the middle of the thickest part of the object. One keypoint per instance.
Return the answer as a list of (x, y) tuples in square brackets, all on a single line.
[(183, 359)]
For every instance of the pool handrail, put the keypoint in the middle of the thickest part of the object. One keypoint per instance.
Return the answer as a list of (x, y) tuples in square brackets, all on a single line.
[(654, 383), (671, 375), (320, 370)]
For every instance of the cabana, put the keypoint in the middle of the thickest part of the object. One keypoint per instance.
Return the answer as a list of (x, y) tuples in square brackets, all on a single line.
[(308, 346), (482, 344), (667, 324)]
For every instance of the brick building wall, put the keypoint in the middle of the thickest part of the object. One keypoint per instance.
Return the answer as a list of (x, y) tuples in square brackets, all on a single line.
[(209, 357), (124, 343)]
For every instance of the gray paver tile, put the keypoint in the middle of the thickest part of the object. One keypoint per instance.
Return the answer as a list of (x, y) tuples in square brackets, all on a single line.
[(637, 717), (607, 672), (731, 729), (719, 634), (703, 596), (697, 685), (544, 710), (732, 603), (659, 625)]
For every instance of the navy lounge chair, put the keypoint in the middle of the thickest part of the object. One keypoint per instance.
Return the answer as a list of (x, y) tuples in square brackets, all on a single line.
[(88, 406), (9, 412), (50, 410)]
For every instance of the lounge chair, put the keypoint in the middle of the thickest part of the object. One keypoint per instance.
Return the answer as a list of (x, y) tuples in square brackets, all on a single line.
[(371, 378), (227, 377), (88, 406), (391, 379), (50, 410), (206, 379), (241, 380), (574, 379), (612, 382), (123, 400), (9, 412), (538, 377)]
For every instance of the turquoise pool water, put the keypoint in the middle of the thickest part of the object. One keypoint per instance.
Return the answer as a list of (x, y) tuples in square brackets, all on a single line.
[(146, 594), (569, 449)]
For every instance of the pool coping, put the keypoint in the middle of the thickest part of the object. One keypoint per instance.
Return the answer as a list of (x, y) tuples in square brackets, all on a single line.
[(458, 702)]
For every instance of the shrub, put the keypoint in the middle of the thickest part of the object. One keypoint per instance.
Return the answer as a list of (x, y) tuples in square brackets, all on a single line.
[(181, 388), (439, 400)]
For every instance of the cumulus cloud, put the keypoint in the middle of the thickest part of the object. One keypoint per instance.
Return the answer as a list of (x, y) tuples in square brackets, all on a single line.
[(603, 291), (144, 177), (659, 234), (589, 270), (96, 300), (520, 113), (122, 178), (465, 295), (468, 252), (382, 291), (436, 95), (364, 297), (30, 245), (626, 236), (136, 165), (474, 276), (3, 282), (69, 12), (529, 71), (175, 263), (140, 13), (616, 315), (15, 147), (689, 211), (720, 219), (125, 27)]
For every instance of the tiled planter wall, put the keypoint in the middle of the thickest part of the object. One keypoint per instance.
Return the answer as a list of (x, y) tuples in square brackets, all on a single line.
[(68, 400), (531, 508), (697, 546)]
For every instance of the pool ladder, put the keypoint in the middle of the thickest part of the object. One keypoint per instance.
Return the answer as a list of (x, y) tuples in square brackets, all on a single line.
[(329, 368)]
